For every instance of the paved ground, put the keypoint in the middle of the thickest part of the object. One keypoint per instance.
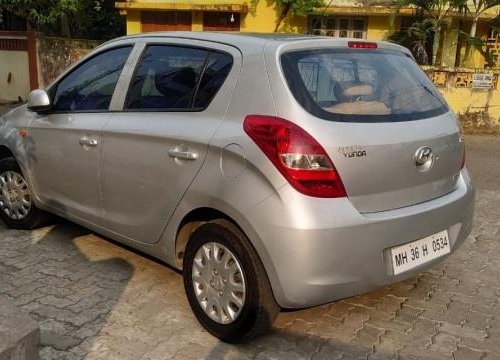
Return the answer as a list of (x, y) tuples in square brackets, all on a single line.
[(98, 300), (4, 108)]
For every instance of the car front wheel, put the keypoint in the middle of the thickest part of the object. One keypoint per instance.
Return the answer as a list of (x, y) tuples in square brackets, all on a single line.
[(226, 284), (17, 209)]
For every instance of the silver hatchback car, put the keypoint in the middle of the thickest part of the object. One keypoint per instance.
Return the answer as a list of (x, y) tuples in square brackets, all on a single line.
[(274, 171)]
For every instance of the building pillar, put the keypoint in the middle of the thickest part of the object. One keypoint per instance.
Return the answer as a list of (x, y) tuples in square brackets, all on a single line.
[(450, 42), (32, 59), (197, 21), (133, 22)]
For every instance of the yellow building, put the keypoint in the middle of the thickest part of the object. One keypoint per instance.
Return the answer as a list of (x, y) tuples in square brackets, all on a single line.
[(365, 19)]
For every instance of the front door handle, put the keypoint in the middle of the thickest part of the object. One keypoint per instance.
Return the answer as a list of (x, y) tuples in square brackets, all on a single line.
[(85, 141), (182, 154)]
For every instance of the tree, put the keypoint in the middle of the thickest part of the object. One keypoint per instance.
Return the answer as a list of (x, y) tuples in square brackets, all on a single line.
[(477, 44), (90, 19), (439, 11), (295, 7), (417, 38), (98, 20), (40, 12), (475, 8)]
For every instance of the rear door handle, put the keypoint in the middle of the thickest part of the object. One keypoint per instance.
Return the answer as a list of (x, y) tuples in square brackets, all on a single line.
[(182, 154), (88, 142)]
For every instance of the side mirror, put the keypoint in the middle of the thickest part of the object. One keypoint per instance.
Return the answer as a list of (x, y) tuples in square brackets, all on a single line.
[(38, 100)]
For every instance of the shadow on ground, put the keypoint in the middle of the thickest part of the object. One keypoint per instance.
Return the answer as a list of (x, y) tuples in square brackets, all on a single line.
[(45, 273), (98, 300)]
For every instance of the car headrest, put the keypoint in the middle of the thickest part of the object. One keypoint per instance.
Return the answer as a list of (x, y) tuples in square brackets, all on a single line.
[(359, 89), (359, 108)]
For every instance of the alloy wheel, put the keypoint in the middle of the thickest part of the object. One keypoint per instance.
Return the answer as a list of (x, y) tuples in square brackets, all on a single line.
[(15, 198)]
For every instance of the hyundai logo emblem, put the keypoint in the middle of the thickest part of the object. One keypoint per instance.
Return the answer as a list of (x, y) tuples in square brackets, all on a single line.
[(424, 158)]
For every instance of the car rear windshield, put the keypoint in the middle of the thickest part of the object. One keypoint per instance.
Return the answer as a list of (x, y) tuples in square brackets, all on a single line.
[(361, 85)]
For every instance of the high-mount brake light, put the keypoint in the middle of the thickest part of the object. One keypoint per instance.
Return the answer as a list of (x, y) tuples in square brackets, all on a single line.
[(296, 155), (361, 45)]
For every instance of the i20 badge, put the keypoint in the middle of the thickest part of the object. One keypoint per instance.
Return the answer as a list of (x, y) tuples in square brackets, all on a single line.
[(424, 158), (353, 151)]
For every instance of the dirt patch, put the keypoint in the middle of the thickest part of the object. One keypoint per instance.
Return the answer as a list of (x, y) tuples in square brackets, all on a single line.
[(478, 123)]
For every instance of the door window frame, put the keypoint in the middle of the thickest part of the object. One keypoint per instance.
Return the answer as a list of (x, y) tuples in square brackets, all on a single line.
[(142, 50), (52, 89)]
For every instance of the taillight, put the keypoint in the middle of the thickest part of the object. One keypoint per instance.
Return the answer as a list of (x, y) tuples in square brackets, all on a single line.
[(361, 45), (297, 156)]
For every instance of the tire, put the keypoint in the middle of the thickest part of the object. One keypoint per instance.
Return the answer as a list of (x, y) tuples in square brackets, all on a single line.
[(259, 308), (25, 217)]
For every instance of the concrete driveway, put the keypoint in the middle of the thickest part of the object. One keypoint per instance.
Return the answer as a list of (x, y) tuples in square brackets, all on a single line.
[(96, 299)]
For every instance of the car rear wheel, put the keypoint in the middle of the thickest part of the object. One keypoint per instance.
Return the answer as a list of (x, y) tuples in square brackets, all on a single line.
[(17, 209), (226, 284)]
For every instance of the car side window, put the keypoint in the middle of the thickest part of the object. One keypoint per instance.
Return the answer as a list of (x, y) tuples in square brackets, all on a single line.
[(216, 71), (176, 78), (91, 85), (166, 78)]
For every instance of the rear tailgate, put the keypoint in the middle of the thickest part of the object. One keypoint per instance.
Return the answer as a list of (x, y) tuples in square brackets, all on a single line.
[(377, 161), (389, 132)]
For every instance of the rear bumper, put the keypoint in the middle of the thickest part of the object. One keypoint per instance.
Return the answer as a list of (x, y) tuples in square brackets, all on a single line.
[(319, 250)]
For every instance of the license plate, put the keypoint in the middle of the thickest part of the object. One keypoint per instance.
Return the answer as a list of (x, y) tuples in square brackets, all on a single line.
[(408, 256)]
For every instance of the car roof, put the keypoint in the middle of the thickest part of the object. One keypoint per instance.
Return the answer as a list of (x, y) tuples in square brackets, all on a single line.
[(246, 41), (233, 38)]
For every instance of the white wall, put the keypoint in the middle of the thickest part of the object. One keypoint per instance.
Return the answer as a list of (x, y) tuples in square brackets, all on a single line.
[(15, 62)]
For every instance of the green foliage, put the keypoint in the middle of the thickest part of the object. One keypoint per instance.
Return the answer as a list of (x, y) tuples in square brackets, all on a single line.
[(496, 22), (296, 7), (40, 12), (300, 7), (90, 19), (439, 11), (417, 38), (436, 9), (477, 7), (99, 19), (474, 9), (474, 42), (477, 44)]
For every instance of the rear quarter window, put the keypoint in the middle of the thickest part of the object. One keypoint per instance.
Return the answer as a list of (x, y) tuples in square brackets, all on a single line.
[(177, 78), (361, 85)]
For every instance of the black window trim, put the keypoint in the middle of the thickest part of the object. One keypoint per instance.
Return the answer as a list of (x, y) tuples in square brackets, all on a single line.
[(53, 89), (209, 51)]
